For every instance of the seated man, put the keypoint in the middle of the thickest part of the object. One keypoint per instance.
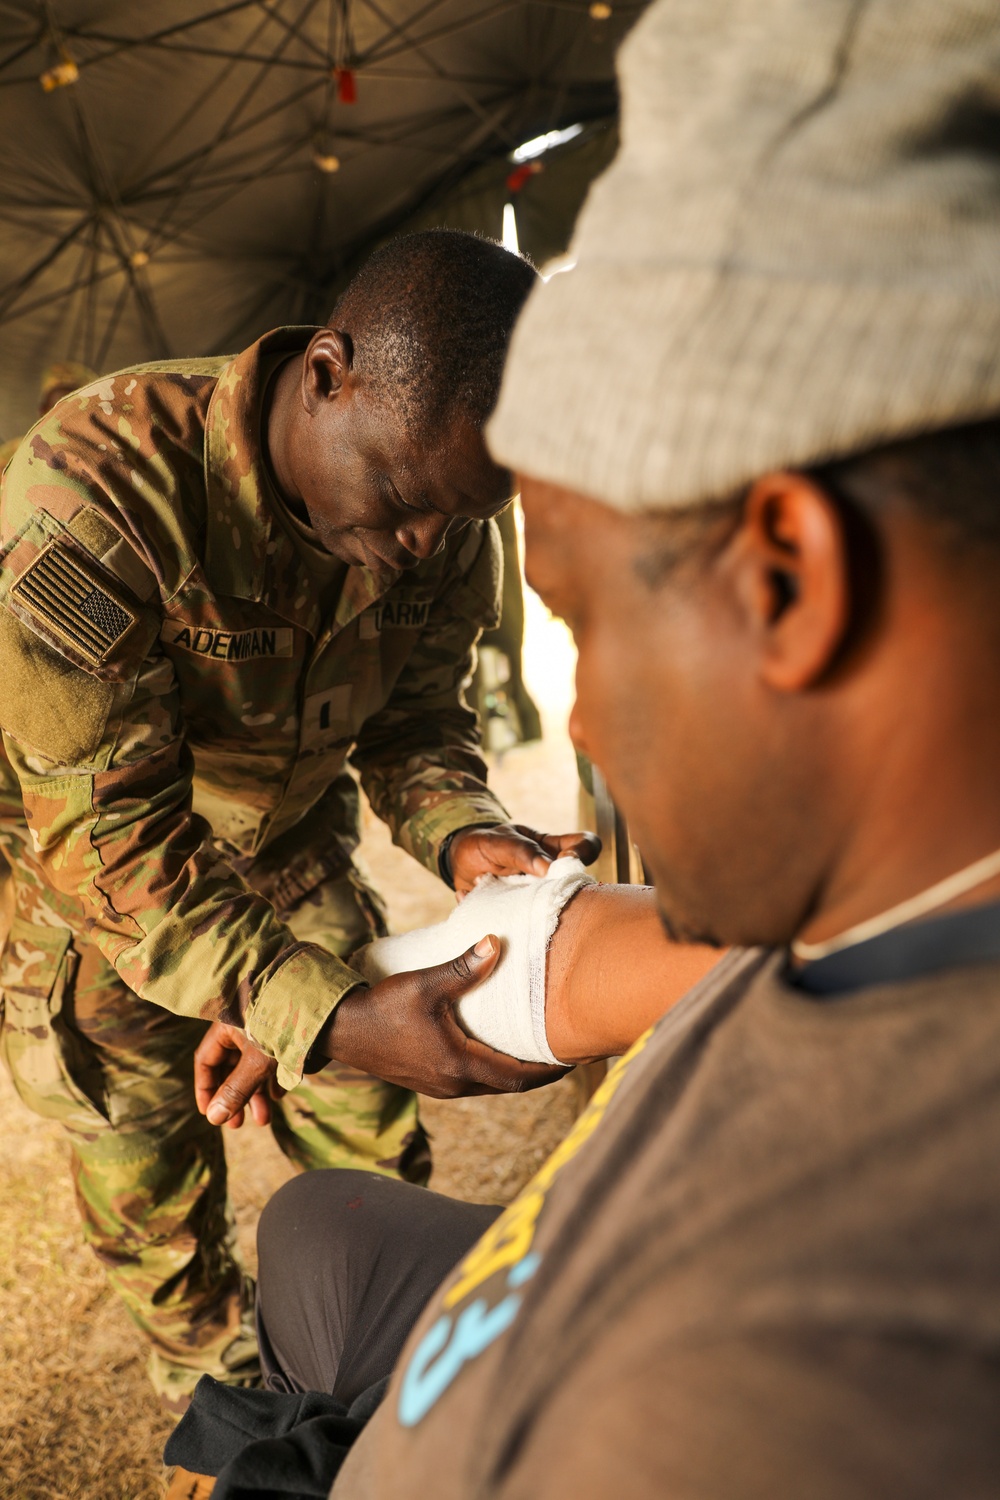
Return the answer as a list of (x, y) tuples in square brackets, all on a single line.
[(758, 429)]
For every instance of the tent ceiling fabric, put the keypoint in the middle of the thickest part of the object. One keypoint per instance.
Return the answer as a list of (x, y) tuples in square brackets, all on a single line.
[(179, 178)]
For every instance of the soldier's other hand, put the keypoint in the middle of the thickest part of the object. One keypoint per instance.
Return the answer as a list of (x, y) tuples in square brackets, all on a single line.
[(513, 849), (404, 1030), (231, 1076)]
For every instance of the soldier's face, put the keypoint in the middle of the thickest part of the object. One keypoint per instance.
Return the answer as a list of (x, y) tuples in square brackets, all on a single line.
[(377, 494), (670, 706)]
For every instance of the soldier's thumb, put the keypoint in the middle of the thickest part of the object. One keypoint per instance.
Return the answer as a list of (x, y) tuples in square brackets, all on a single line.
[(242, 1082), (468, 969)]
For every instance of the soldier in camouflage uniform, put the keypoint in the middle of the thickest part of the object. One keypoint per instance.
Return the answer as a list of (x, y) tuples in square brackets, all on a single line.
[(188, 669)]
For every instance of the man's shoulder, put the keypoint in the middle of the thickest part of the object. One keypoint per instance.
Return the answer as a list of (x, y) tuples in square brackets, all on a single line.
[(137, 433), (166, 397), (208, 366), (117, 468)]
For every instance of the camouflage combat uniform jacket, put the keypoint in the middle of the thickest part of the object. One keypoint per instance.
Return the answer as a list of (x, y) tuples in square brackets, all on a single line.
[(175, 707)]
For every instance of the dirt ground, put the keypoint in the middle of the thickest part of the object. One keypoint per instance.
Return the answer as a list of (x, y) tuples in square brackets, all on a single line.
[(77, 1418)]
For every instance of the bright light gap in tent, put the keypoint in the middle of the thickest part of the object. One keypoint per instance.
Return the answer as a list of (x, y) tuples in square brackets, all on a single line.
[(510, 229), (539, 144)]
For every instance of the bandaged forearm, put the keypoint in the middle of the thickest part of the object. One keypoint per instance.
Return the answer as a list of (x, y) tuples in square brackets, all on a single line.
[(507, 1009)]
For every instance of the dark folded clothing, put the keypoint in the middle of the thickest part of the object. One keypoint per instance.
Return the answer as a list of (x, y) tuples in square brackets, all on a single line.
[(266, 1443)]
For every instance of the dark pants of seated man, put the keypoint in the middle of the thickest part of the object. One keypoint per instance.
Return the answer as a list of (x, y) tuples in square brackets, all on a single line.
[(348, 1261)]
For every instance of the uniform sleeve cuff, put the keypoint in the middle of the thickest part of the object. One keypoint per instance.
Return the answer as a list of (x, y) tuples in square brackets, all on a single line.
[(291, 1009), (427, 830)]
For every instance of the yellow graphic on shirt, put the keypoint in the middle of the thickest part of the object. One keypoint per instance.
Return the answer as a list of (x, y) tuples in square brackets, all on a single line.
[(509, 1239)]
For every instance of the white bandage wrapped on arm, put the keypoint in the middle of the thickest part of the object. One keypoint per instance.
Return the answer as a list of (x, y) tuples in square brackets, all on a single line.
[(507, 1010)]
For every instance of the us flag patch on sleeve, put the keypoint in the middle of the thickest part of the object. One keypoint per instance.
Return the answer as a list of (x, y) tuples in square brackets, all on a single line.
[(63, 594)]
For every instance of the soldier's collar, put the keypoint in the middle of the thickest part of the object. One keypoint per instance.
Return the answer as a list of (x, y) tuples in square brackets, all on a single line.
[(239, 521)]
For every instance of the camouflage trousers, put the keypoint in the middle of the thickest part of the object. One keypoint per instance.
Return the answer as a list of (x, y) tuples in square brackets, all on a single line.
[(150, 1173)]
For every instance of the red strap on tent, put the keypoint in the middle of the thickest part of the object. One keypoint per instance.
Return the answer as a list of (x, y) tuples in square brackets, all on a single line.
[(521, 174), (347, 88)]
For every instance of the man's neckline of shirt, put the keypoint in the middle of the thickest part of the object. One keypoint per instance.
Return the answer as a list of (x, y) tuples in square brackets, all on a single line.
[(954, 939)]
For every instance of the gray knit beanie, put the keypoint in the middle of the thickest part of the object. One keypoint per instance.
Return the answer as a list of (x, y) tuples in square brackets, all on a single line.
[(794, 256)]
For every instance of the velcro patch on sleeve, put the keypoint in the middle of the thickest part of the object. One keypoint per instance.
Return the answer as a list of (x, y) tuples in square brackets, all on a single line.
[(47, 703), (74, 601)]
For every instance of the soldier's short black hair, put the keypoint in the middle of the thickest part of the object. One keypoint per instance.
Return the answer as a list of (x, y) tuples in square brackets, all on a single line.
[(430, 316)]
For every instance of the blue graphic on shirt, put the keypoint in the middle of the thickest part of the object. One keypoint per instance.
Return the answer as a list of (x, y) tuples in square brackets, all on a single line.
[(456, 1338), (452, 1341), (524, 1270)]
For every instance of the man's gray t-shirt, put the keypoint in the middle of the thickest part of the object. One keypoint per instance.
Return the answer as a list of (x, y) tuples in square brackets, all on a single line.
[(765, 1264)]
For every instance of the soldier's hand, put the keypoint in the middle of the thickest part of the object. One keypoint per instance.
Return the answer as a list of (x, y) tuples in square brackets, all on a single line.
[(513, 849), (404, 1030), (231, 1075)]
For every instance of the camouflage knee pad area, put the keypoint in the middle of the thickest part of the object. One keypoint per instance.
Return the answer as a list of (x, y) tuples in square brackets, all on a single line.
[(150, 1173)]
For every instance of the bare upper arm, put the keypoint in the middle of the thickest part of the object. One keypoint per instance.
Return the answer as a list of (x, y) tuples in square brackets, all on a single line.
[(612, 972)]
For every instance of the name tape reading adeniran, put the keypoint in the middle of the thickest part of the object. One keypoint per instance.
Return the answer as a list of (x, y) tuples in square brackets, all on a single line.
[(227, 645)]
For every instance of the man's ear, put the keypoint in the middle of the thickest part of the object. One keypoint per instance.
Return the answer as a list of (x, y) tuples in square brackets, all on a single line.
[(791, 572), (326, 368)]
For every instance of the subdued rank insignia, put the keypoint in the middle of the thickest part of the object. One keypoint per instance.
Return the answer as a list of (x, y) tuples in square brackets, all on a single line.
[(62, 593), (326, 718)]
